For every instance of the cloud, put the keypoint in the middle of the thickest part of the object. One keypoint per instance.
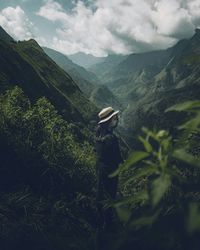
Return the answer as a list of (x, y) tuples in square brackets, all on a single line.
[(121, 26), (172, 19), (16, 23), (194, 11), (53, 11)]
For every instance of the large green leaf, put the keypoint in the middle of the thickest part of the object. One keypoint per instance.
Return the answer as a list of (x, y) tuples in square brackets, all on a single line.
[(159, 188), (185, 106), (192, 124), (146, 144), (193, 220), (144, 220), (182, 155), (123, 213), (134, 199), (166, 144), (142, 172), (133, 158)]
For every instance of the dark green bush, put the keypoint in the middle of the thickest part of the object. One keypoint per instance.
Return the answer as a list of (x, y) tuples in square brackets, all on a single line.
[(47, 177)]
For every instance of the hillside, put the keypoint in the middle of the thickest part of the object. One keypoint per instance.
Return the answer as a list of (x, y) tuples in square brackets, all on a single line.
[(103, 97), (102, 69), (46, 152), (133, 73), (5, 36), (87, 81), (25, 64), (177, 81), (183, 68)]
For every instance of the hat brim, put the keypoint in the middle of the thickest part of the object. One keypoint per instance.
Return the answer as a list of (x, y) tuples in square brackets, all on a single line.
[(109, 117)]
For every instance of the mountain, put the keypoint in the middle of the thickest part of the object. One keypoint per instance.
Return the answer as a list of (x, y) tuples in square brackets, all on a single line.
[(87, 81), (127, 78), (46, 152), (184, 67), (85, 60), (103, 68), (5, 36), (134, 76), (103, 97), (177, 81), (25, 64)]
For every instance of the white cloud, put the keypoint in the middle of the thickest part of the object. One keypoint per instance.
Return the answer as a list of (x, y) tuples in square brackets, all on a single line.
[(172, 20), (121, 26), (16, 23), (53, 11), (194, 11)]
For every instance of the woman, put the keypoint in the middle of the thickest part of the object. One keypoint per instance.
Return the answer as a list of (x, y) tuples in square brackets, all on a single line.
[(108, 159)]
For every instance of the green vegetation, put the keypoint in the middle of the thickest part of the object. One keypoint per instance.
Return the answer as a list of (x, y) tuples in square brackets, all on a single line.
[(48, 181), (161, 204), (47, 177)]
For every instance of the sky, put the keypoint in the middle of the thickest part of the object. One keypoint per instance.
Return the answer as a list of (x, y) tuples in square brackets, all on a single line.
[(101, 27)]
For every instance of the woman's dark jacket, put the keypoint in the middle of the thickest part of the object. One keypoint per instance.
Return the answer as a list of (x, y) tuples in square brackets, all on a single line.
[(108, 159)]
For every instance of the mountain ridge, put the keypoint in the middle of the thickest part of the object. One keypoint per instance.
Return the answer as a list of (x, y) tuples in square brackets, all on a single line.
[(87, 81), (85, 60), (25, 64), (5, 36), (178, 81)]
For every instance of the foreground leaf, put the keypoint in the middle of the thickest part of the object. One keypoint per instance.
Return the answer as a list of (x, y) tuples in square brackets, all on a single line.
[(133, 158), (134, 199), (193, 221), (145, 220), (182, 155), (142, 172), (123, 213), (189, 105), (159, 188), (146, 144)]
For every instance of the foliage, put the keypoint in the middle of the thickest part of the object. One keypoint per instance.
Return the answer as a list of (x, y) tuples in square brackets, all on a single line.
[(40, 128), (47, 176), (47, 181), (161, 186)]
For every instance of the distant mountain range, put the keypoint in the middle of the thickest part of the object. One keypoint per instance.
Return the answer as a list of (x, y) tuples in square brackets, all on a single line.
[(103, 68), (87, 81), (85, 60)]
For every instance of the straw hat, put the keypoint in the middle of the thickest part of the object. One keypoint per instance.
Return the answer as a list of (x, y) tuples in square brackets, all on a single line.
[(106, 114)]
